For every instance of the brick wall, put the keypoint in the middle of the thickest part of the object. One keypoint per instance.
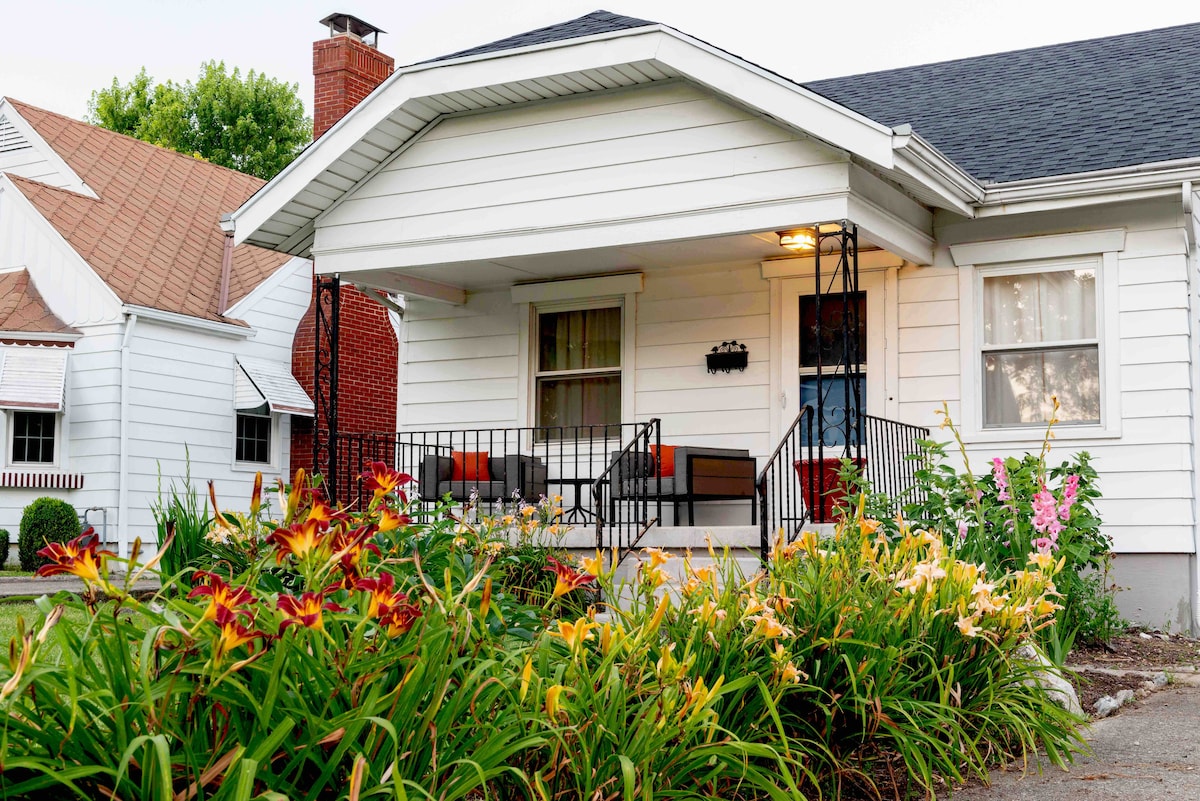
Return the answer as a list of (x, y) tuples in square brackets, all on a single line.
[(367, 362)]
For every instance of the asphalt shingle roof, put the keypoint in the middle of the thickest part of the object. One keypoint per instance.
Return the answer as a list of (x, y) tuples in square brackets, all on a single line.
[(1055, 110), (153, 234), (22, 309), (1061, 109), (588, 25)]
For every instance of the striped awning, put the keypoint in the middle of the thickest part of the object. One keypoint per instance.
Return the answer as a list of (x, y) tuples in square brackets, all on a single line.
[(33, 378), (262, 383)]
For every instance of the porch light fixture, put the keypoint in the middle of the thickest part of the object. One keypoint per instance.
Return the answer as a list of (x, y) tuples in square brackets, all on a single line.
[(799, 239)]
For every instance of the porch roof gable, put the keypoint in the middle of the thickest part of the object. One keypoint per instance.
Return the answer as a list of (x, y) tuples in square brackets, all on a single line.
[(590, 54)]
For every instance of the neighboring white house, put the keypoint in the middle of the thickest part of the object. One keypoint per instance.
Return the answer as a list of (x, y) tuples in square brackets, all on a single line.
[(132, 337), (1027, 226)]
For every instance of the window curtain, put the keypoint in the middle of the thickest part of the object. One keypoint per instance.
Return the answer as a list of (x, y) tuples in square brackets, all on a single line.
[(1052, 307), (583, 339)]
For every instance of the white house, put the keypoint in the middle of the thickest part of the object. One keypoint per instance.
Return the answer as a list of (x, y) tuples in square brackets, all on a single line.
[(133, 334), (615, 189)]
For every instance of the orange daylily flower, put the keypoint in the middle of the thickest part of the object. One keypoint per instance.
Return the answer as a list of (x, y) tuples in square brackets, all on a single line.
[(78, 557), (566, 578), (400, 618), (234, 634), (324, 515), (574, 634), (298, 539), (382, 480), (305, 611), (389, 520)]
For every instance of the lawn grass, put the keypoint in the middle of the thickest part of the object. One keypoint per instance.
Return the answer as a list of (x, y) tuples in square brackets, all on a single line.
[(14, 572)]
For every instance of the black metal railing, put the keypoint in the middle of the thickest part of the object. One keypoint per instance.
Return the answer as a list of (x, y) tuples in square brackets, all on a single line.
[(529, 462), (800, 484), (627, 495)]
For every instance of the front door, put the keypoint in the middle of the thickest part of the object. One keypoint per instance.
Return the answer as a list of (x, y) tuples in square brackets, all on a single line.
[(804, 336)]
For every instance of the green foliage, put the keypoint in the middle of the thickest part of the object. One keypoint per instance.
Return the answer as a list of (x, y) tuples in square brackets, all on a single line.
[(44, 521), (4, 543), (253, 124), (182, 521)]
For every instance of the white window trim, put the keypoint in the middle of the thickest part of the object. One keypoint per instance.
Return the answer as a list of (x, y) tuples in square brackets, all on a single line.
[(60, 455), (583, 293), (275, 445), (1031, 255)]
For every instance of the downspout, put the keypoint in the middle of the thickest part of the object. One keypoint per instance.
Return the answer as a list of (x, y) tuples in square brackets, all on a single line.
[(123, 468), (1189, 248)]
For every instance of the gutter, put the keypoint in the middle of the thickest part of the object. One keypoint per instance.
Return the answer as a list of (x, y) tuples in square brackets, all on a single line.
[(193, 323), (123, 468)]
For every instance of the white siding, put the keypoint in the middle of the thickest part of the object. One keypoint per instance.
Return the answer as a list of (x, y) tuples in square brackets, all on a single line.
[(681, 315), (460, 364), (638, 153)]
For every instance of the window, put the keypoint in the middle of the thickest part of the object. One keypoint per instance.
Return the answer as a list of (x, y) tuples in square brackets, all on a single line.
[(824, 337), (1039, 340), (33, 437), (253, 441), (578, 371)]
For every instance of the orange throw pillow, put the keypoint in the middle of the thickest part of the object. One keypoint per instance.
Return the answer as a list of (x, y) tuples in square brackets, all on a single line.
[(665, 461), (470, 466)]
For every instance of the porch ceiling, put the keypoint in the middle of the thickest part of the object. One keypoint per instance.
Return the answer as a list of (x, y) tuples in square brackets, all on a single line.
[(484, 274)]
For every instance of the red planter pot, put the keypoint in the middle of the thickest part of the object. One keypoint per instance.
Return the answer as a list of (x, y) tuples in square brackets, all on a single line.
[(826, 491)]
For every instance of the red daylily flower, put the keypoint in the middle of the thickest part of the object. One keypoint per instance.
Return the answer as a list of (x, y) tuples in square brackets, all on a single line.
[(324, 515), (305, 610), (400, 618), (389, 520), (381, 480), (78, 557), (567, 578), (348, 548), (225, 603), (383, 594), (298, 539)]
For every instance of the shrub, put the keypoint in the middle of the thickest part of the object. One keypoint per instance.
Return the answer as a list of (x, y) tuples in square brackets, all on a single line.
[(44, 521), (4, 542)]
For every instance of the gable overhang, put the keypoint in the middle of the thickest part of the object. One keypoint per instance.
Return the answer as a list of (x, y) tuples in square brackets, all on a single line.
[(71, 180), (283, 214)]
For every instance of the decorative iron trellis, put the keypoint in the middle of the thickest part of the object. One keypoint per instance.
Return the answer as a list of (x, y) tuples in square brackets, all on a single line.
[(325, 382), (839, 242)]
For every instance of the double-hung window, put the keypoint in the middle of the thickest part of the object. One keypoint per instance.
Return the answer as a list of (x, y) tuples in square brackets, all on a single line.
[(578, 375), (252, 442), (1040, 340)]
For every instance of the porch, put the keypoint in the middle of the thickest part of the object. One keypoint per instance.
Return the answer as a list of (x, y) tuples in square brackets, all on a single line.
[(573, 373)]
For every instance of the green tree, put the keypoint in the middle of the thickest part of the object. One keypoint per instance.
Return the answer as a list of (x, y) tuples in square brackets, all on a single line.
[(254, 124)]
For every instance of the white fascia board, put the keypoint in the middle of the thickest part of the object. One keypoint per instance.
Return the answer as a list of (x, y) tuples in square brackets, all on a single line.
[(496, 246), (74, 182), (268, 286), (779, 98), (1141, 181), (891, 233), (924, 163), (14, 198), (176, 320)]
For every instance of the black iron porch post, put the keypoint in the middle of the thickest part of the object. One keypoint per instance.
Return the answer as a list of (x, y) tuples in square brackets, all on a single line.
[(325, 383)]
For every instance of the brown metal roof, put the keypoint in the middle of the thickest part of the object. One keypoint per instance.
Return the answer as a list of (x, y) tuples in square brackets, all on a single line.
[(23, 310), (153, 235)]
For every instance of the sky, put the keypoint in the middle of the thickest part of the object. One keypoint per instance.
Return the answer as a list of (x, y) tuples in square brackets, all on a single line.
[(56, 52)]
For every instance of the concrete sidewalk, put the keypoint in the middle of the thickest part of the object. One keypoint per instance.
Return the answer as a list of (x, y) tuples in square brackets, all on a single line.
[(1151, 751), (12, 587)]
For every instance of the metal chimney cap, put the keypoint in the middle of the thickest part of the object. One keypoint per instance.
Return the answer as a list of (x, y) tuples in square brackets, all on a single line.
[(340, 22)]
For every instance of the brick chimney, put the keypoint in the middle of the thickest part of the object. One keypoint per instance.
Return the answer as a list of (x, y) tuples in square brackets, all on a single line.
[(345, 68)]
